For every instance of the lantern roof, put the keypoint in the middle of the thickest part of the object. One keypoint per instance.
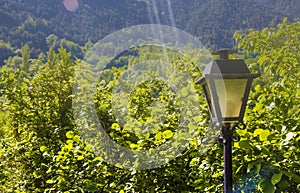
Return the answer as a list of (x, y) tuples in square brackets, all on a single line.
[(226, 68), (221, 66)]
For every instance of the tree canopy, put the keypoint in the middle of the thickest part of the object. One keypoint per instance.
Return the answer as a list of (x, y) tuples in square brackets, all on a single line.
[(214, 22)]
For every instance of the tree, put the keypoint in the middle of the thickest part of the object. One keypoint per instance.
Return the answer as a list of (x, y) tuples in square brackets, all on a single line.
[(25, 58), (41, 114), (269, 147), (6, 51)]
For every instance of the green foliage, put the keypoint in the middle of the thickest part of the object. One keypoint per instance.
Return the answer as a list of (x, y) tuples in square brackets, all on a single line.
[(31, 22), (271, 141), (25, 58), (6, 50), (40, 106), (41, 149)]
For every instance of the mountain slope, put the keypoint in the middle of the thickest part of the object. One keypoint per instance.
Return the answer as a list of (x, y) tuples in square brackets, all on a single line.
[(214, 21)]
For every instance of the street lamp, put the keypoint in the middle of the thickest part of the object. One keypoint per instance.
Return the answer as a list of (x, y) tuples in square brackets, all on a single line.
[(226, 84)]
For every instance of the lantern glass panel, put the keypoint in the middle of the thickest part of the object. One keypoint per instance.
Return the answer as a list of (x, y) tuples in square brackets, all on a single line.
[(230, 94), (207, 90)]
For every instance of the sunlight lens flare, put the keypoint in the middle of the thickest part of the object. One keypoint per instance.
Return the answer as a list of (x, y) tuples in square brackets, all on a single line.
[(166, 44), (71, 5)]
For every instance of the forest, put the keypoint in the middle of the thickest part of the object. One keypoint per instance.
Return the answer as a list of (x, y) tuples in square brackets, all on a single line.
[(213, 22), (59, 87)]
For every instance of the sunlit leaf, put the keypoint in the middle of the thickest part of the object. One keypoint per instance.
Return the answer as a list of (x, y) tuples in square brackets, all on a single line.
[(50, 181), (43, 148), (70, 134), (76, 138), (167, 134), (262, 133), (80, 158)]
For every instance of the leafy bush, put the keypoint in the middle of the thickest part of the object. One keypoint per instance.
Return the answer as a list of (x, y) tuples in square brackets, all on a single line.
[(42, 150)]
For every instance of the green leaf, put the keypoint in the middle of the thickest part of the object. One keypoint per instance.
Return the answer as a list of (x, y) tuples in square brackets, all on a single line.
[(35, 174), (244, 144), (258, 108), (296, 178), (268, 187), (197, 119), (216, 175), (50, 181), (257, 132), (167, 134), (241, 132), (27, 153), (115, 126), (69, 141), (239, 169), (257, 87), (263, 134), (257, 168), (80, 158), (70, 134), (76, 138), (43, 148), (184, 92), (192, 126), (263, 60), (69, 147), (134, 146), (98, 159), (249, 167), (194, 162), (276, 178), (158, 136)]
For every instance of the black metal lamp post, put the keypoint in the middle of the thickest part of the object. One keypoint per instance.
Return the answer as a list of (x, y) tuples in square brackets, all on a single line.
[(226, 84)]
